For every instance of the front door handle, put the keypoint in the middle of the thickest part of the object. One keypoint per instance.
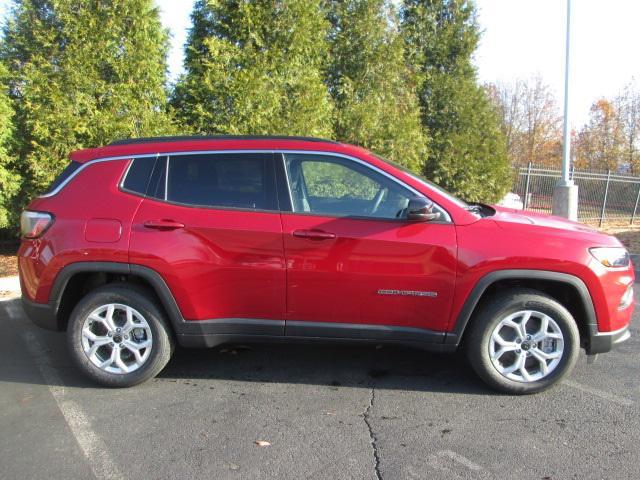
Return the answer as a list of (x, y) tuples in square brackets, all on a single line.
[(163, 224), (314, 234)]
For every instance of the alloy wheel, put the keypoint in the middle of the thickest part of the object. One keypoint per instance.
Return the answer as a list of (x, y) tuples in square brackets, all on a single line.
[(116, 338), (526, 346)]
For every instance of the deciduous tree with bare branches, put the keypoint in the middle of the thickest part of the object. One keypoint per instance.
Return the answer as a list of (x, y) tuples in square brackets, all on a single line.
[(627, 104), (530, 120), (599, 145)]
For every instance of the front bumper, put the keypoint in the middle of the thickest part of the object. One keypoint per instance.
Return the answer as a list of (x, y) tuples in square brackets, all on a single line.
[(42, 314), (601, 342)]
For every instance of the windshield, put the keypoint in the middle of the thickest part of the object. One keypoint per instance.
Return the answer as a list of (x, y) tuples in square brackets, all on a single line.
[(428, 183)]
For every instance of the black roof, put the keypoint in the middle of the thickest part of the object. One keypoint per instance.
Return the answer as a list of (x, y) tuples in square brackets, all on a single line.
[(131, 141)]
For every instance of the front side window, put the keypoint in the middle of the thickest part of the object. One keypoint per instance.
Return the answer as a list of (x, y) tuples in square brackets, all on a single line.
[(235, 180), (426, 182), (334, 186)]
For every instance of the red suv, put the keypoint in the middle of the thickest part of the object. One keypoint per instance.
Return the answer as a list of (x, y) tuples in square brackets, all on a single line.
[(200, 241)]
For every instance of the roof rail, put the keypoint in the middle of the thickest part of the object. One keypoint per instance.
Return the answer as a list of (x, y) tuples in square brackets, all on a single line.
[(132, 141)]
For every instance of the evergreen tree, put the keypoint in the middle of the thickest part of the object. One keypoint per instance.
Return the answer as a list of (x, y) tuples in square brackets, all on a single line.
[(83, 73), (9, 181), (256, 68), (373, 90), (467, 149)]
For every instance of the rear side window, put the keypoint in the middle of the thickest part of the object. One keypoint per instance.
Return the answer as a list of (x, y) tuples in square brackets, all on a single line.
[(60, 179), (236, 180), (139, 174), (158, 182)]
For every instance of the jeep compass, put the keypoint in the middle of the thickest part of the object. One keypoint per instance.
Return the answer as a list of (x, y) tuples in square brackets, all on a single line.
[(198, 241)]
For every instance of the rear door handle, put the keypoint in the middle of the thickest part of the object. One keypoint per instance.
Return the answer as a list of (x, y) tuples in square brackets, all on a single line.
[(314, 234), (163, 224)]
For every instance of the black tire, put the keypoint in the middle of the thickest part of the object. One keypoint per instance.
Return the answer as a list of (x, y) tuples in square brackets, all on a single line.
[(478, 338), (162, 347)]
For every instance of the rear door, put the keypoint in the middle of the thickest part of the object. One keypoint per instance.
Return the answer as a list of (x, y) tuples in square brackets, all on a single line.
[(210, 226), (352, 257)]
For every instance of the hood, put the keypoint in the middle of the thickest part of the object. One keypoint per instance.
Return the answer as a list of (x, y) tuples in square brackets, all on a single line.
[(539, 223), (509, 215)]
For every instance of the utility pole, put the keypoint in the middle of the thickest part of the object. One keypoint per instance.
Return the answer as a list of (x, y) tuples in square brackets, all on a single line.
[(565, 193)]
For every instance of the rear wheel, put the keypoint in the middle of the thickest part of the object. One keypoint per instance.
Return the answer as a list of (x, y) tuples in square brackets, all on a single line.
[(523, 341), (118, 336)]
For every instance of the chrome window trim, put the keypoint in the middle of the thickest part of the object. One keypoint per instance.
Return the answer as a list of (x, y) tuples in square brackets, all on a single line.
[(83, 167), (282, 151), (166, 178), (286, 177), (125, 175), (141, 155)]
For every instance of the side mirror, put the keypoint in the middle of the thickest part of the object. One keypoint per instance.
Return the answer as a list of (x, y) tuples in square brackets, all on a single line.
[(421, 210)]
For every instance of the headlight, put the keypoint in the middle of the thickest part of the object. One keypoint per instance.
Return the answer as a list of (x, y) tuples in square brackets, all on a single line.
[(611, 256)]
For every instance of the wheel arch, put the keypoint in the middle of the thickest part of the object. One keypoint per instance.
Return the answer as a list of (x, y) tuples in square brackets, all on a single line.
[(77, 279), (567, 289)]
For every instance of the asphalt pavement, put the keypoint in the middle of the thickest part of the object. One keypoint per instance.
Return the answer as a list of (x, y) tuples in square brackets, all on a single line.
[(300, 411)]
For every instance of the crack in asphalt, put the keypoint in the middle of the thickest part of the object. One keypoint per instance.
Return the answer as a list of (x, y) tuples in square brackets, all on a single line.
[(372, 436)]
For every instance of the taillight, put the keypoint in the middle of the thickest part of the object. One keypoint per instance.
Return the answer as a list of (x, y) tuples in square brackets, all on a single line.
[(34, 224)]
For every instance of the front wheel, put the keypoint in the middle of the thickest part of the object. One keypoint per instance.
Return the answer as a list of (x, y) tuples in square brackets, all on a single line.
[(118, 337), (522, 341)]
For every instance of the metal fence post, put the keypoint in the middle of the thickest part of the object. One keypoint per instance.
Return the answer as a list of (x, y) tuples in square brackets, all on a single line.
[(633, 215), (526, 188), (604, 199)]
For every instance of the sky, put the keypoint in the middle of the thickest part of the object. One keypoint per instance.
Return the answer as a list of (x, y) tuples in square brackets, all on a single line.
[(521, 38)]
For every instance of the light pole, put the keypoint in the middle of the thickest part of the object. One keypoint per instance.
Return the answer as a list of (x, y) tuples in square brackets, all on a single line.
[(565, 193)]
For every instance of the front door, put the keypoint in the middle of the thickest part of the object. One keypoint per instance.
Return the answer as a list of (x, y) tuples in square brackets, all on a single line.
[(353, 261)]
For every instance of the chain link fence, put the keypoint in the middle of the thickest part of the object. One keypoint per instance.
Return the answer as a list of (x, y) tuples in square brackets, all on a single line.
[(602, 197)]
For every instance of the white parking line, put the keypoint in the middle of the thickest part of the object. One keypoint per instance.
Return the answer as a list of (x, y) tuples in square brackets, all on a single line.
[(435, 461), (456, 457), (12, 311), (92, 446), (600, 393)]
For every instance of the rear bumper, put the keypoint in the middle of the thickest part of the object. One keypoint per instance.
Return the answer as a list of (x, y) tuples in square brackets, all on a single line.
[(42, 314), (601, 342)]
